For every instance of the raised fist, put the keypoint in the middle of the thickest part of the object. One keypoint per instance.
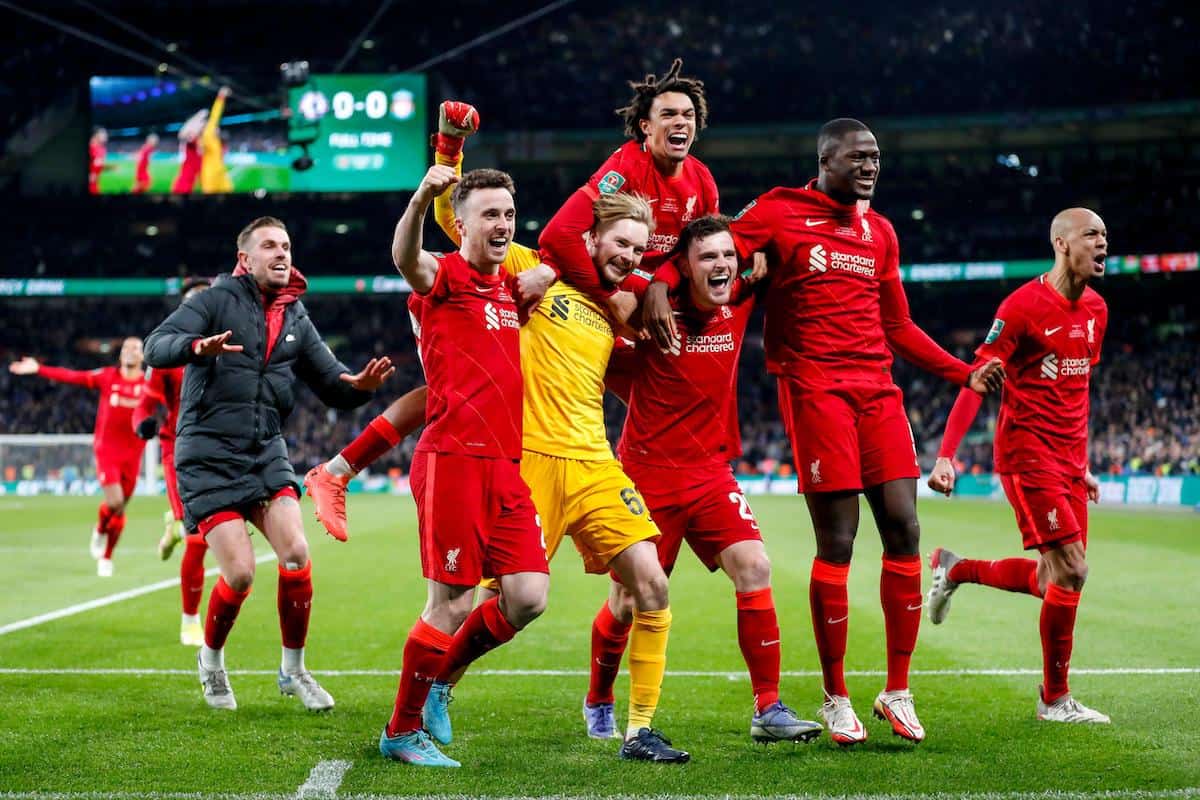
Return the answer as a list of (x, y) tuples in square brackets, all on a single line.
[(456, 118)]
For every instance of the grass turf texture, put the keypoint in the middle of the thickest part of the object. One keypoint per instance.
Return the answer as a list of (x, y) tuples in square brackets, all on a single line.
[(523, 735), (117, 177)]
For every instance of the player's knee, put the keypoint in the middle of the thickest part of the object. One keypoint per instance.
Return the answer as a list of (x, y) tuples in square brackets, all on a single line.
[(525, 608), (240, 577), (757, 573), (651, 592), (1074, 574), (837, 548), (294, 554)]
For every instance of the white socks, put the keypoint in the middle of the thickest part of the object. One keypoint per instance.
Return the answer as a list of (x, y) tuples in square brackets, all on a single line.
[(293, 660), (212, 659), (339, 466)]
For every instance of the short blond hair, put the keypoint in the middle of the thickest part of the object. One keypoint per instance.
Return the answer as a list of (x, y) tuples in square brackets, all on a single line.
[(611, 208)]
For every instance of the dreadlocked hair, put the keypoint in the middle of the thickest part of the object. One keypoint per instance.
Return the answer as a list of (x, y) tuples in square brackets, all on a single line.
[(650, 88)]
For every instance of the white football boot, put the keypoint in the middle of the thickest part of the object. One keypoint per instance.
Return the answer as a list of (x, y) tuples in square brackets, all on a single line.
[(1068, 709), (898, 710), (845, 728), (938, 601)]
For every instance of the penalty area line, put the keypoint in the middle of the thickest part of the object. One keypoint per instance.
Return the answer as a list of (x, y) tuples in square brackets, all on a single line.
[(107, 600)]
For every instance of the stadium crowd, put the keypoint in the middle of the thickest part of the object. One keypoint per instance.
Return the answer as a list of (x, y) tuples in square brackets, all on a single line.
[(1145, 416), (940, 58)]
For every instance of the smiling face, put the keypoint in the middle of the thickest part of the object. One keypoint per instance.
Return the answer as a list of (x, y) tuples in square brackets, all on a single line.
[(850, 167), (617, 248), (267, 255), (710, 265), (670, 127), (486, 223), (131, 353)]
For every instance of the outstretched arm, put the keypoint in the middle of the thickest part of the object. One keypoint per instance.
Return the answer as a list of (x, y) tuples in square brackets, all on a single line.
[(75, 377), (417, 266), (330, 379), (456, 121)]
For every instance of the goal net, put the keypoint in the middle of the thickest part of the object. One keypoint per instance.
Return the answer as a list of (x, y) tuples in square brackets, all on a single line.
[(62, 464)]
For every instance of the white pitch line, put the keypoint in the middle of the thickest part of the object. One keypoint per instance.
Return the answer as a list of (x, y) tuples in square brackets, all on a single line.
[(1113, 794), (323, 781), (107, 600), (575, 673)]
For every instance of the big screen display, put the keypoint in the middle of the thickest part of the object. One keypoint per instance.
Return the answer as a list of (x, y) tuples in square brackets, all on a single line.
[(343, 133)]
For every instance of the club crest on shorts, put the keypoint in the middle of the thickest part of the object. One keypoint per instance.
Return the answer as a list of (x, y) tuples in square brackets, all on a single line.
[(1052, 519), (815, 471), (452, 559), (612, 182)]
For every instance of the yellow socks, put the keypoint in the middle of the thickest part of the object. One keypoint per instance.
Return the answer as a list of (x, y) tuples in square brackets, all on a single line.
[(647, 663)]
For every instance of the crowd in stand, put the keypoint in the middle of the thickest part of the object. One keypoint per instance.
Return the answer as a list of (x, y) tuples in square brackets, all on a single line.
[(1145, 398), (763, 61)]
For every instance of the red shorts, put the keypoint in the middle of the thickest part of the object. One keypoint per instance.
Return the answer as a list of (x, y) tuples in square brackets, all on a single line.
[(847, 437), (1051, 508), (120, 467), (241, 512), (167, 455), (704, 507), (475, 517)]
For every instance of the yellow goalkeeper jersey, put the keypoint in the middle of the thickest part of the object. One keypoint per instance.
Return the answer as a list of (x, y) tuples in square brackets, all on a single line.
[(565, 348), (214, 178)]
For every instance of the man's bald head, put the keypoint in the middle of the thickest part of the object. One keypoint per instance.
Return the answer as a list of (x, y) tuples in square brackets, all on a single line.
[(1080, 243), (1070, 220)]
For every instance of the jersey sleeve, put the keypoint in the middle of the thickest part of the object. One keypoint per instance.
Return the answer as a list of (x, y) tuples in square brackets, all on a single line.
[(1101, 329), (1004, 335), (966, 406), (906, 337), (154, 394), (90, 379), (209, 135), (444, 280), (443, 212), (754, 227)]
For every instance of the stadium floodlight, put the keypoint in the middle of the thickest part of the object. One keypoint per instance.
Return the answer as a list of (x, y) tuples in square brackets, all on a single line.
[(294, 73)]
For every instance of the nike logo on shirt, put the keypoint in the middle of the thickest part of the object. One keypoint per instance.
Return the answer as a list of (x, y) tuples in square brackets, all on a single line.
[(1052, 331), (812, 223)]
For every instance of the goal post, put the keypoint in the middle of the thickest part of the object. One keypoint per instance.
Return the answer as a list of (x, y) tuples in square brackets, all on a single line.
[(62, 464)]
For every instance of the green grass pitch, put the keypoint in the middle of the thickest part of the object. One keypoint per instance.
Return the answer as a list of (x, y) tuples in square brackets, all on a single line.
[(117, 177), (105, 703)]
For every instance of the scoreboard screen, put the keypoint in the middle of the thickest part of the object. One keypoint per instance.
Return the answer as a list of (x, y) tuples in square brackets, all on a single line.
[(362, 132)]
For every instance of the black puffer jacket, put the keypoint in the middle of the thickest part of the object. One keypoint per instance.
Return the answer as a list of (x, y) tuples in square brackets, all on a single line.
[(229, 448)]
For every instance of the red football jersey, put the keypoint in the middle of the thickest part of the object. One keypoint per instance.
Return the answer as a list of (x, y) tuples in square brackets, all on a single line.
[(119, 396), (683, 406), (1048, 345), (469, 340), (676, 202), (163, 387), (827, 261)]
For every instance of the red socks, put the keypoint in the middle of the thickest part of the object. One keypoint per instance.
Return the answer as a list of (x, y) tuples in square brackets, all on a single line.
[(758, 636), (115, 524), (485, 629), (295, 604), (191, 572), (1058, 638), (223, 607), (376, 439), (424, 652), (102, 517), (1009, 574), (830, 614), (900, 596), (609, 637)]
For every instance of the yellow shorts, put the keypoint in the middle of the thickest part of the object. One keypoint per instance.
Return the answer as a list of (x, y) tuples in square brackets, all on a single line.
[(593, 502)]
